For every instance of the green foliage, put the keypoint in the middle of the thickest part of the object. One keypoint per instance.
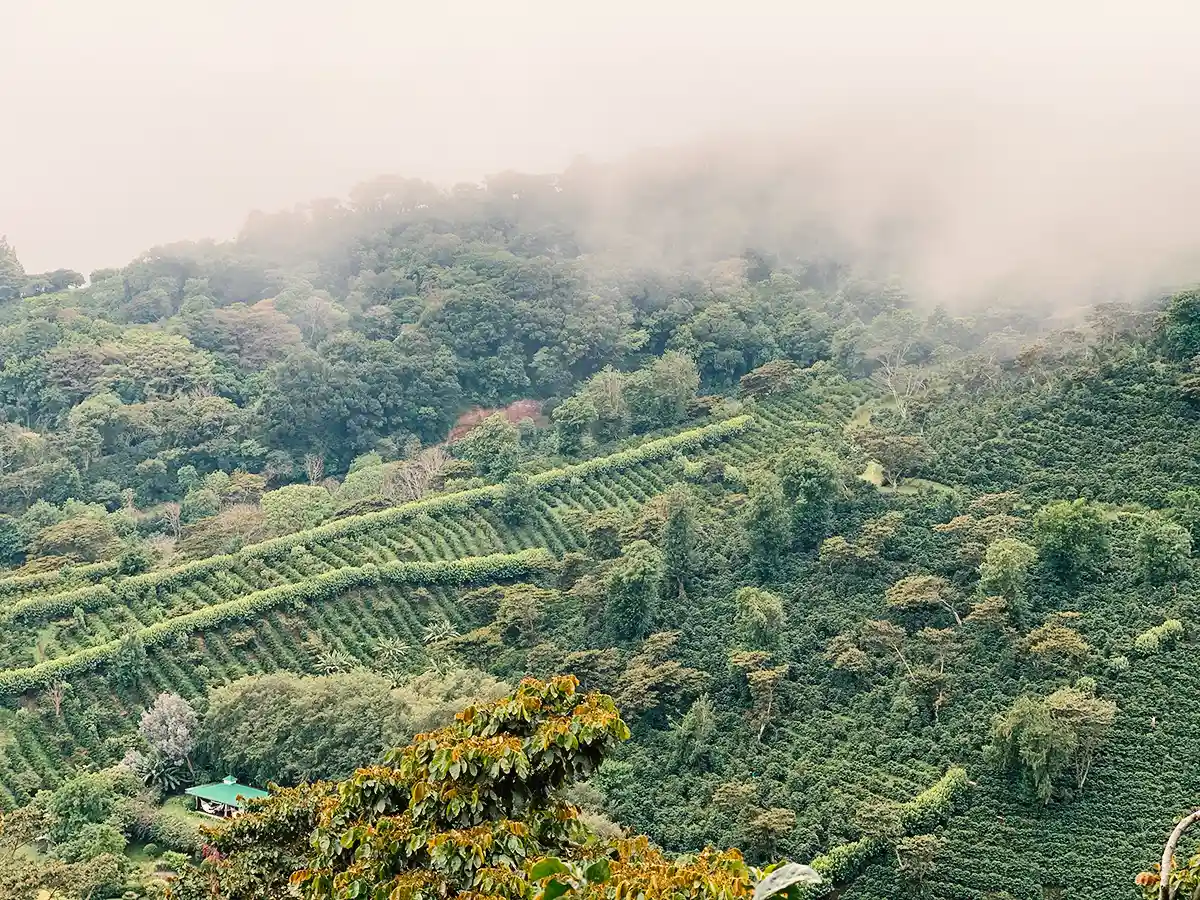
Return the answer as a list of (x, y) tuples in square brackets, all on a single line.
[(923, 592), (296, 507), (361, 483), (1181, 325), (767, 522), (128, 658), (809, 479), (1030, 741), (760, 617), (775, 377), (677, 543), (602, 532), (1055, 643), (1163, 550), (85, 538), (12, 273), (657, 395), (425, 305), (1159, 638), (1042, 737), (899, 455), (492, 446), (430, 700), (286, 729), (632, 587), (1071, 536), (91, 841), (518, 498), (573, 421), (515, 838), (695, 730), (1005, 568), (83, 800)]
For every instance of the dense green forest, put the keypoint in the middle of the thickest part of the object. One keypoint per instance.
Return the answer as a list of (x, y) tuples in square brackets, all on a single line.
[(729, 545)]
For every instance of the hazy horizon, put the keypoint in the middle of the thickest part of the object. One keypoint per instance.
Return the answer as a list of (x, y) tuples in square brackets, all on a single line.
[(1020, 139)]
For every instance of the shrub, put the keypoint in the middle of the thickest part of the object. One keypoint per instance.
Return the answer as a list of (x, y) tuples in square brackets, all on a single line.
[(1159, 638), (174, 861), (296, 507), (178, 835)]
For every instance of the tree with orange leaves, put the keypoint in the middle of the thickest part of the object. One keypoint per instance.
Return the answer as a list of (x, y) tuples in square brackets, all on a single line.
[(472, 811)]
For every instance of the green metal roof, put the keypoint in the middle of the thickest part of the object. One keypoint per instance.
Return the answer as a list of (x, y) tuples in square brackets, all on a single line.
[(227, 792)]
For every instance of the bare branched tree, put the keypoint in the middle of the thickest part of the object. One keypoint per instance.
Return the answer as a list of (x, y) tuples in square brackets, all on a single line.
[(56, 692), (415, 478), (173, 517), (314, 468)]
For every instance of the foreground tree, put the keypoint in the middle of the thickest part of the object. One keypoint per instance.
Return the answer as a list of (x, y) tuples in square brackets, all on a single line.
[(1167, 880), (473, 810)]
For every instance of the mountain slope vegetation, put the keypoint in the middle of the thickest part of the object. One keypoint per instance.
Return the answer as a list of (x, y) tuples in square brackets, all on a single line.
[(905, 592)]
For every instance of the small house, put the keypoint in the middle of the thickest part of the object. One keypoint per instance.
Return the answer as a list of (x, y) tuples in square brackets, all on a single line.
[(223, 799)]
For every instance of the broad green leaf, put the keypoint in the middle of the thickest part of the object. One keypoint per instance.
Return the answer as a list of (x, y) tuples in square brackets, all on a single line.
[(598, 872), (544, 868)]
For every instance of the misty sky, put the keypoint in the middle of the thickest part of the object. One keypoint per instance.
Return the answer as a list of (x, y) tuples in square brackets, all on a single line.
[(1036, 127)]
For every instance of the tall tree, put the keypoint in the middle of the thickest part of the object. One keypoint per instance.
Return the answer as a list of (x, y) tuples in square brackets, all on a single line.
[(924, 592), (12, 273), (1072, 536), (632, 585), (678, 542), (767, 522)]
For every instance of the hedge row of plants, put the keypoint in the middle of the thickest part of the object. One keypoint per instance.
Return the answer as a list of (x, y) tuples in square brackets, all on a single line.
[(139, 586), (498, 567), (21, 584), (933, 805)]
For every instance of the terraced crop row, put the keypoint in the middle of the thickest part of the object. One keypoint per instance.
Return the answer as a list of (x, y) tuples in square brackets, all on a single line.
[(38, 745), (266, 608), (46, 626)]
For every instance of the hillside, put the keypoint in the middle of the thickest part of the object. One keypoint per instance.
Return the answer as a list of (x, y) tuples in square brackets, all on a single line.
[(827, 548), (211, 611)]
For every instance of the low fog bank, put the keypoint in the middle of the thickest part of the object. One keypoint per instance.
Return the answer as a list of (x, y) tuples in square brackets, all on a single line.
[(968, 204), (1003, 152)]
